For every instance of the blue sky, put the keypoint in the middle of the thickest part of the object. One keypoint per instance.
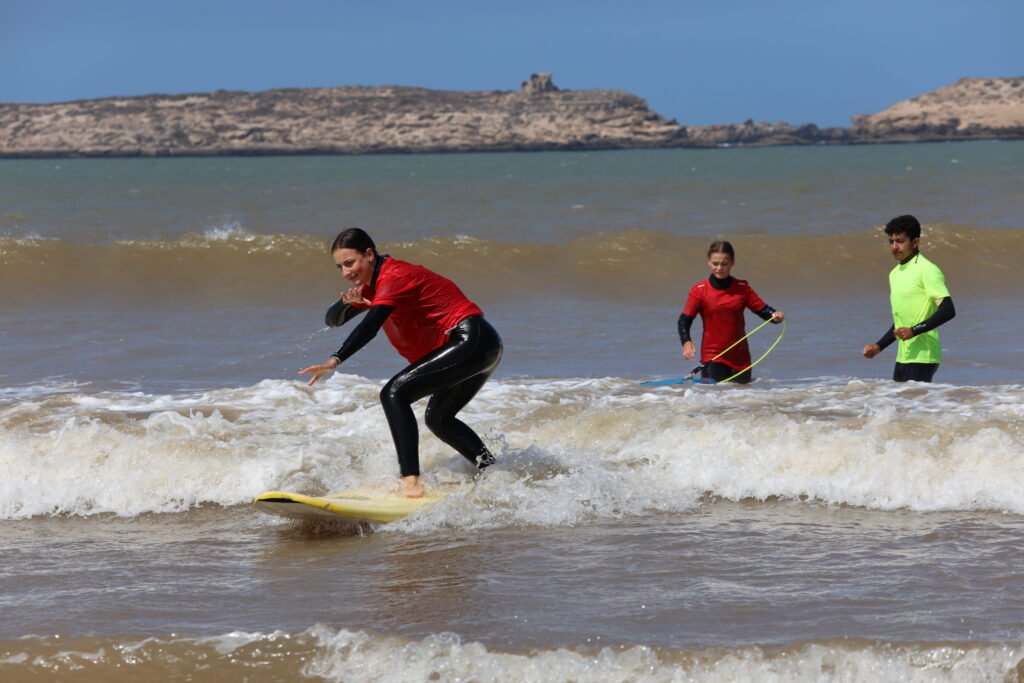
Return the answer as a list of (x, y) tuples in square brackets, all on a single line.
[(719, 61)]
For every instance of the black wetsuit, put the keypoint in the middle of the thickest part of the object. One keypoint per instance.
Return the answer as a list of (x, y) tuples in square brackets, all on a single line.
[(451, 375)]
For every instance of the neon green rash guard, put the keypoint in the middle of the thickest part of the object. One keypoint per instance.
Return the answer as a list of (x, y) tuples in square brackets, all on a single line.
[(915, 290)]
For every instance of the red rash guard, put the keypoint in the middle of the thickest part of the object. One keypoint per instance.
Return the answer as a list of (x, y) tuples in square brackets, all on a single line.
[(426, 306), (722, 314)]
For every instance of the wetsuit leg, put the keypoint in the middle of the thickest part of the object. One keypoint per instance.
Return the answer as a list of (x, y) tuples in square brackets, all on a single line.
[(914, 372), (441, 420), (720, 372), (473, 351)]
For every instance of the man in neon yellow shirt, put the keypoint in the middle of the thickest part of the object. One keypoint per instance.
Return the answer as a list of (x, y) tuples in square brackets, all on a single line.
[(920, 303)]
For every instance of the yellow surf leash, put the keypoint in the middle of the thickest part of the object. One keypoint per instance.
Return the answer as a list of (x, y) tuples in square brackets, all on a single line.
[(693, 373), (774, 344), (735, 343)]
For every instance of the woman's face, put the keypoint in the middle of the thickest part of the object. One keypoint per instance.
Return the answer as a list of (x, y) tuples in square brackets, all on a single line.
[(355, 266), (720, 264)]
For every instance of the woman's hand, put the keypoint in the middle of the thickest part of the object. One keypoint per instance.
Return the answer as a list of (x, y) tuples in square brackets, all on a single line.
[(689, 351), (872, 350), (778, 317), (903, 333), (319, 371), (354, 295)]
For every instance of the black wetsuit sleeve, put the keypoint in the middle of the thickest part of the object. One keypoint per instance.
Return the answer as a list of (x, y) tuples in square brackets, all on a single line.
[(683, 324), (366, 330), (766, 313), (340, 313), (888, 338), (943, 314)]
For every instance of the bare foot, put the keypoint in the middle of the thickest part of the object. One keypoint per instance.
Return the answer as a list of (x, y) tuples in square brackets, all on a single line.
[(411, 487)]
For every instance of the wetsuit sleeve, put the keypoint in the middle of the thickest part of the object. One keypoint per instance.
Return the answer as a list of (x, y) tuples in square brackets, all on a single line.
[(765, 313), (683, 324), (888, 338), (943, 314), (366, 330), (340, 313)]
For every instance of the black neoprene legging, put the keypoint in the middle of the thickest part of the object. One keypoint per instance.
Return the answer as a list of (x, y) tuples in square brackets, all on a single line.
[(451, 376), (721, 372), (914, 372)]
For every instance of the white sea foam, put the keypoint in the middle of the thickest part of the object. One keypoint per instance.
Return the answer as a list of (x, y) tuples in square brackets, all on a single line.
[(325, 653), (21, 393), (28, 238), (357, 656), (230, 230), (569, 450)]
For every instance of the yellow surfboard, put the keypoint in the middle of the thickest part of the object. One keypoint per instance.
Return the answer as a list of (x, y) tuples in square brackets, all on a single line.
[(363, 505)]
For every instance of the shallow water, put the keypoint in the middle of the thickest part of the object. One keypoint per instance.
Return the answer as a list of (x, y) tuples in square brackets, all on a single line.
[(823, 523), (721, 574)]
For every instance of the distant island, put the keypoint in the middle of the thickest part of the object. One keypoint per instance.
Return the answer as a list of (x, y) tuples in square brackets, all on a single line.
[(392, 119)]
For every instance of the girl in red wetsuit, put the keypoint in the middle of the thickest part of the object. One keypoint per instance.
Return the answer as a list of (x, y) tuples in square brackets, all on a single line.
[(720, 301), (451, 349)]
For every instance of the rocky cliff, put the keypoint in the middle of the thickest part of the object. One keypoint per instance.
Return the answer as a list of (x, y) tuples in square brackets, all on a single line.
[(348, 120), (970, 109), (364, 120)]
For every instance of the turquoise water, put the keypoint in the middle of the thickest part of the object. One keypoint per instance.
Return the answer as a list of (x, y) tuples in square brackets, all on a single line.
[(545, 197)]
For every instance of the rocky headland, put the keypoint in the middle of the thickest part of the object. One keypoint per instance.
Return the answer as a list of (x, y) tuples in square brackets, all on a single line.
[(970, 109), (391, 119)]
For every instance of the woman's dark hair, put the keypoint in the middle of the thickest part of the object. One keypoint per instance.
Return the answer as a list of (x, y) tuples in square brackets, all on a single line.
[(721, 247), (353, 238)]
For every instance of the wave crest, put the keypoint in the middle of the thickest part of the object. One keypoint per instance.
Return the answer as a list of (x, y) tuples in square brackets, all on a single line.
[(229, 265), (330, 654), (569, 451)]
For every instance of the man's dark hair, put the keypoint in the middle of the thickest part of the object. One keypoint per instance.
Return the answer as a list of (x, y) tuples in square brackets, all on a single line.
[(906, 225), (353, 238)]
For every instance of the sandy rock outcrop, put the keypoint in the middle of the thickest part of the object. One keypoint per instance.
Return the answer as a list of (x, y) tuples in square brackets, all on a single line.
[(391, 119), (344, 120), (970, 109)]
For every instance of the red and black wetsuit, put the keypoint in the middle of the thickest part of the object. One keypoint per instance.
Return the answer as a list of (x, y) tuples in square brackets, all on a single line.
[(451, 351), (720, 304)]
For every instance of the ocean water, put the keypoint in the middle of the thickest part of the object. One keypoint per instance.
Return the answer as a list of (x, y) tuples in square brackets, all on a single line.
[(822, 523)]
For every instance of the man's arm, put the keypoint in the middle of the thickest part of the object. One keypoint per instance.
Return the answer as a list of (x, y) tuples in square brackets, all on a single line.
[(943, 314), (888, 338), (872, 350)]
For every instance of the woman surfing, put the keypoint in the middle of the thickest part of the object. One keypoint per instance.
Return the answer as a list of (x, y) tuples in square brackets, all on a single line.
[(451, 349)]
